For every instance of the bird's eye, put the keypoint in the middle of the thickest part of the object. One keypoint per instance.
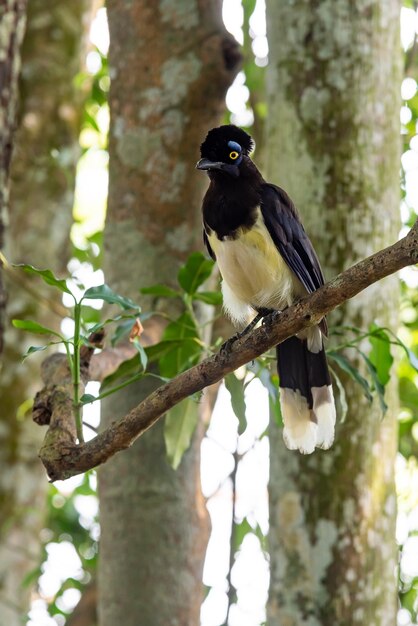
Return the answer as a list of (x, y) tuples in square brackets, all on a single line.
[(233, 155)]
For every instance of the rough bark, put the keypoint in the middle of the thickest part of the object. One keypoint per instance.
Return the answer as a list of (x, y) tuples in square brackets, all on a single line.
[(63, 458), (333, 143), (170, 65), (41, 198), (12, 19)]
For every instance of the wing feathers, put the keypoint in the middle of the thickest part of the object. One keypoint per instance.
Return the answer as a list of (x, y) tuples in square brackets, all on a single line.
[(289, 236)]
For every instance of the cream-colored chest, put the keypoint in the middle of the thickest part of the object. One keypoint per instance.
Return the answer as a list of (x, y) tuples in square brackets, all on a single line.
[(253, 268)]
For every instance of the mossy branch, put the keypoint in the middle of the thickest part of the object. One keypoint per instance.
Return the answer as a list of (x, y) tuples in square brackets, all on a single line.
[(61, 456)]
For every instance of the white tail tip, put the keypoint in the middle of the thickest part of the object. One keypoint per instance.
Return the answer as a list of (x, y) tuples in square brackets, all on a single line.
[(305, 428)]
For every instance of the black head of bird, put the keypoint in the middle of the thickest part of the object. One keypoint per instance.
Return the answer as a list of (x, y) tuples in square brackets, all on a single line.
[(225, 151)]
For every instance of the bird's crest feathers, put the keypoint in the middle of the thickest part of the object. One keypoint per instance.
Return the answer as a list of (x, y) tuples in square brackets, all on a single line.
[(215, 146)]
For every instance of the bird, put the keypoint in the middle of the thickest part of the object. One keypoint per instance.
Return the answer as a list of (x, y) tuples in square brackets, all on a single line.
[(252, 229)]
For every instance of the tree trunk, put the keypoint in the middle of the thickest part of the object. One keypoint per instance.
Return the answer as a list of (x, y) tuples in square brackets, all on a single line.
[(170, 65), (41, 199), (12, 19), (333, 144)]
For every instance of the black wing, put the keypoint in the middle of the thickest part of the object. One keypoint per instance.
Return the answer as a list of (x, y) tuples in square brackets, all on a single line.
[(207, 244), (282, 222)]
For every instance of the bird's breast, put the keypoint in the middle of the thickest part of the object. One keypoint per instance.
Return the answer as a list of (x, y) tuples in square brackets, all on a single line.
[(253, 268)]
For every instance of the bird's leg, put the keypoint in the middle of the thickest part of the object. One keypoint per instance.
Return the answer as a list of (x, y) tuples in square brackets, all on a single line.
[(261, 314)]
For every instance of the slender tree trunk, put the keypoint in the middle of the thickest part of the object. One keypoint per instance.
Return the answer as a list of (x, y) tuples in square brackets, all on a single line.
[(12, 20), (333, 143), (41, 199), (170, 65)]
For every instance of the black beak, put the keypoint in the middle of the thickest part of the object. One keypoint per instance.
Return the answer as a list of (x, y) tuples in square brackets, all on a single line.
[(207, 164)]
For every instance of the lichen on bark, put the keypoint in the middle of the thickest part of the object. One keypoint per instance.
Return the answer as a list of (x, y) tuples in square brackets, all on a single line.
[(13, 20), (170, 64), (333, 144), (41, 198)]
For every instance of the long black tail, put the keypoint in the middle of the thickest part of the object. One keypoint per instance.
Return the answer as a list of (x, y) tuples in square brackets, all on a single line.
[(306, 398)]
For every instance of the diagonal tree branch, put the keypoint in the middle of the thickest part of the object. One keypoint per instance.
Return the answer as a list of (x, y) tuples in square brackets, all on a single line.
[(61, 456)]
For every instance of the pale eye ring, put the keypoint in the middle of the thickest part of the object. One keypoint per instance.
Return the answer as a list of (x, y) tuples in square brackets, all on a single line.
[(233, 155)]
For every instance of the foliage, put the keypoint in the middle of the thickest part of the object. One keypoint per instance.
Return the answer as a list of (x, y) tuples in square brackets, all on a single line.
[(73, 345), (182, 345), (96, 88), (67, 522), (408, 365)]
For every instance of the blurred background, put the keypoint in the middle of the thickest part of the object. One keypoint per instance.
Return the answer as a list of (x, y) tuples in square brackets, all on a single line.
[(319, 101)]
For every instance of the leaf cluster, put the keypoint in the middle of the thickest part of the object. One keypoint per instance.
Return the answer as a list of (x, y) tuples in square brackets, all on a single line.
[(82, 331)]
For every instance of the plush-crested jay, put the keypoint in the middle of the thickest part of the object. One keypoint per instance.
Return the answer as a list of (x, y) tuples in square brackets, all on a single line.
[(267, 262)]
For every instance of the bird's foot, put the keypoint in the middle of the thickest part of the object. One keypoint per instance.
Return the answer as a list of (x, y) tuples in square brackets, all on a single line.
[(261, 315), (270, 318), (264, 314), (227, 345)]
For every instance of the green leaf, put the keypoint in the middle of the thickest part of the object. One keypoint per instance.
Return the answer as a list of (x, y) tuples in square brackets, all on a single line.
[(408, 393), (380, 355), (346, 366), (122, 330), (34, 327), (413, 360), (271, 383), (157, 350), (46, 275), (160, 290), (121, 385), (196, 270), (240, 531), (125, 370), (275, 411), (89, 315), (249, 6), (409, 601), (209, 297), (181, 328), (185, 349), (180, 424), (236, 390), (266, 378), (105, 293), (142, 354), (87, 398), (85, 488), (243, 529), (111, 320), (89, 120), (90, 251), (31, 577), (34, 349), (182, 355), (380, 390)]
